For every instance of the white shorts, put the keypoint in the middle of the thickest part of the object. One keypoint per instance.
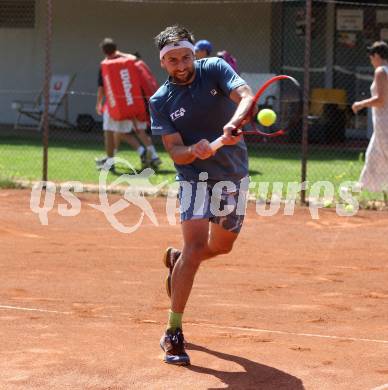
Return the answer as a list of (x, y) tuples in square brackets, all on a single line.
[(125, 126)]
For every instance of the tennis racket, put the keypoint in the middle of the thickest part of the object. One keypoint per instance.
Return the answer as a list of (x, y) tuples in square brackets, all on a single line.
[(282, 94)]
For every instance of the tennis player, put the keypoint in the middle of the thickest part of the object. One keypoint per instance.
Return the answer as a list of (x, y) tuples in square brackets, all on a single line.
[(200, 101)]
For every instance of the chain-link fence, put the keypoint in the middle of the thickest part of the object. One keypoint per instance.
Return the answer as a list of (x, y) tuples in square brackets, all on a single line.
[(266, 38)]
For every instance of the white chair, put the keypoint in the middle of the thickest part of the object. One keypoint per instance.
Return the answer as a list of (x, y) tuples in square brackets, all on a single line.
[(59, 87)]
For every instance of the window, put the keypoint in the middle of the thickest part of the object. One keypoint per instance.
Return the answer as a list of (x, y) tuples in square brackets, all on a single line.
[(17, 13)]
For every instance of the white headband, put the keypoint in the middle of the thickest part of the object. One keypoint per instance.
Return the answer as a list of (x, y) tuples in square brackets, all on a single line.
[(176, 45)]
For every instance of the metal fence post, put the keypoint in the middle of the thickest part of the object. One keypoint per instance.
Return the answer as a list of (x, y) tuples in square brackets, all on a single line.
[(306, 95), (46, 91)]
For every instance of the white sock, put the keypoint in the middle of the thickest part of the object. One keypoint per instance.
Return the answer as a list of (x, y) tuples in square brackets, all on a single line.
[(151, 148), (140, 150)]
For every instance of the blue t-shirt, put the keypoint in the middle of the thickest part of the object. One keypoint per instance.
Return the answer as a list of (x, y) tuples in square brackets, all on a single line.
[(199, 111)]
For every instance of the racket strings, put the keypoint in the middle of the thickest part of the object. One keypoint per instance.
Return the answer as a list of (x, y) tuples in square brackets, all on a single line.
[(285, 99)]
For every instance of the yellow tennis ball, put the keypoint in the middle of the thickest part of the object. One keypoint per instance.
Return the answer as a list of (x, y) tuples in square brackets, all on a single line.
[(266, 117), (349, 208)]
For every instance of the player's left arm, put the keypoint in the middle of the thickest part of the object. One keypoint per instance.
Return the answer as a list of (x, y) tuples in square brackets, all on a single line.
[(233, 86), (243, 97)]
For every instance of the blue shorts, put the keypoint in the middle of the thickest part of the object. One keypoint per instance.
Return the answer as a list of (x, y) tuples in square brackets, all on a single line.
[(223, 203)]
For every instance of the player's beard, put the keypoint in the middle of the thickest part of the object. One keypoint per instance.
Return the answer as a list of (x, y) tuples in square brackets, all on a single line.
[(184, 79)]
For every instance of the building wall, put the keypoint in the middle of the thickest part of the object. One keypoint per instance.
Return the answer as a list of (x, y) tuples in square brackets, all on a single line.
[(21, 65), (78, 27)]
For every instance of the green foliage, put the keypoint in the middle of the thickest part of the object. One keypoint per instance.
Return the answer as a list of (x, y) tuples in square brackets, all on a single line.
[(7, 181)]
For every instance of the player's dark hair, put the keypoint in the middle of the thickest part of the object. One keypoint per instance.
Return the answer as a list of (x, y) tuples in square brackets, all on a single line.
[(380, 48), (108, 46), (173, 34)]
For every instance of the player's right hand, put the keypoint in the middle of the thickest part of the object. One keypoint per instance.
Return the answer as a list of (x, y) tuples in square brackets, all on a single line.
[(230, 138), (202, 149)]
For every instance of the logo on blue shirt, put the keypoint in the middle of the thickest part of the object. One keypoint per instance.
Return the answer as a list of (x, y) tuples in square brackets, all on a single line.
[(177, 114)]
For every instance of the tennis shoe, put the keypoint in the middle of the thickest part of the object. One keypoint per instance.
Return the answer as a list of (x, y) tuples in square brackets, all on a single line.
[(155, 163), (173, 345), (170, 258), (106, 164), (145, 159), (100, 161)]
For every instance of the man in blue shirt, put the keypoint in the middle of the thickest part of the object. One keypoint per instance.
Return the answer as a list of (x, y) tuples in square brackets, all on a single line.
[(200, 101), (203, 49)]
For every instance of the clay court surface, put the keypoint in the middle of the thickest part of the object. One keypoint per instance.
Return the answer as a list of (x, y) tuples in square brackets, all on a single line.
[(299, 304)]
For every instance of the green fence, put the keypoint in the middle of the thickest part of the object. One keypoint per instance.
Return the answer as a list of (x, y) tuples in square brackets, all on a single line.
[(43, 39)]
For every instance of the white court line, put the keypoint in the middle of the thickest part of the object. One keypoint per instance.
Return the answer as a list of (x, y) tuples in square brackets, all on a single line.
[(34, 309), (256, 330), (322, 336), (46, 311), (382, 387)]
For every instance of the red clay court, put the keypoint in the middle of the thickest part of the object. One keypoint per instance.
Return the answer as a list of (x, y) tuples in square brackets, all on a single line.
[(299, 304)]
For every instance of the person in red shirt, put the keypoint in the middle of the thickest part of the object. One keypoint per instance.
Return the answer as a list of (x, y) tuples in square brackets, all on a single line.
[(116, 131)]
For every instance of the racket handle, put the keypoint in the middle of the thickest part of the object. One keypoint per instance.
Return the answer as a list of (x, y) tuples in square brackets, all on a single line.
[(217, 143)]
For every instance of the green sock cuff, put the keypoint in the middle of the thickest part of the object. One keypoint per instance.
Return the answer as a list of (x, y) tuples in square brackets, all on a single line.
[(174, 320)]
